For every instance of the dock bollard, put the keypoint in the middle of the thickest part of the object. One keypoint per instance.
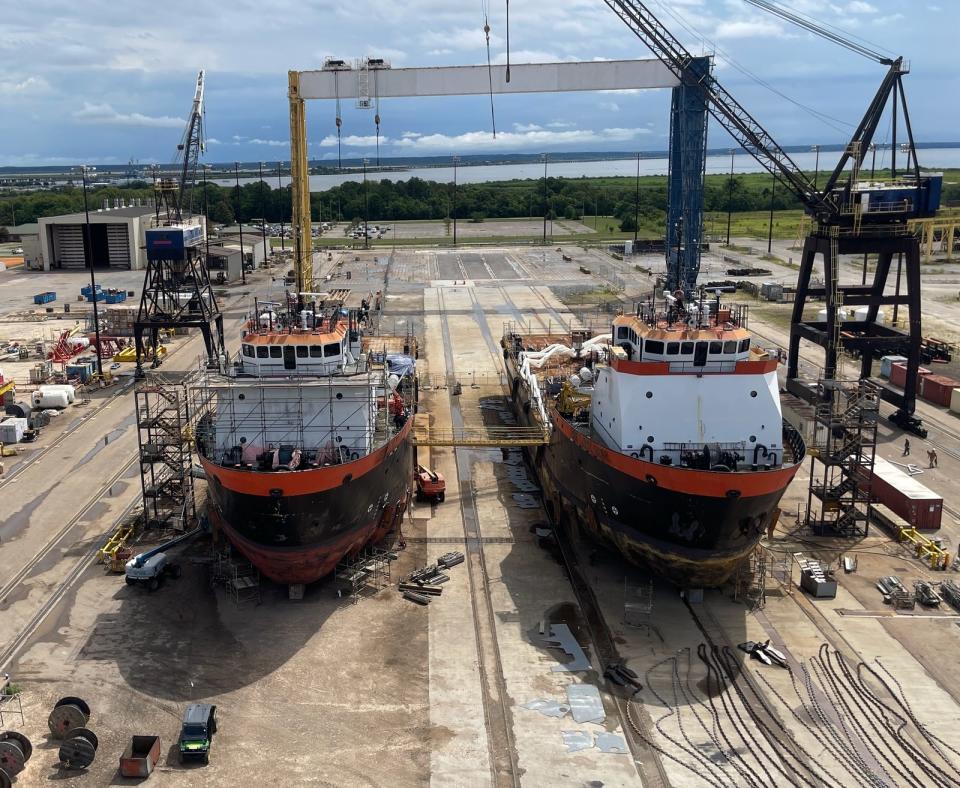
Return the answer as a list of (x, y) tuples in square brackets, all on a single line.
[(68, 714)]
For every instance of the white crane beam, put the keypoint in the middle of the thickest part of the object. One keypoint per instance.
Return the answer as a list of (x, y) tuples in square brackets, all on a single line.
[(474, 80)]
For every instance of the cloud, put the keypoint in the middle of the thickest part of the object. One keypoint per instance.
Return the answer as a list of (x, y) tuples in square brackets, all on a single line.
[(515, 140), (754, 28), (104, 114), (860, 7), (524, 127), (609, 106), (28, 85), (271, 143), (352, 140)]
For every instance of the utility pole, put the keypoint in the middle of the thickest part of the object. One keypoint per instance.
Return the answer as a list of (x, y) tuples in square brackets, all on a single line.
[(206, 214), (730, 196), (456, 159), (366, 208), (544, 199), (88, 259), (263, 218), (279, 191), (773, 191), (243, 256), (636, 213)]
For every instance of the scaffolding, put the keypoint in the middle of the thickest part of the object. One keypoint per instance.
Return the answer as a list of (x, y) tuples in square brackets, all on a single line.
[(368, 570), (165, 437), (841, 460), (240, 578)]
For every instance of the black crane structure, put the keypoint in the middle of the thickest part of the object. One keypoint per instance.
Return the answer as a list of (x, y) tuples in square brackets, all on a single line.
[(177, 292), (849, 216)]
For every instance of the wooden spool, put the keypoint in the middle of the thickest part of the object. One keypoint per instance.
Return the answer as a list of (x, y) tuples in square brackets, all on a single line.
[(78, 749), (12, 757), (68, 714)]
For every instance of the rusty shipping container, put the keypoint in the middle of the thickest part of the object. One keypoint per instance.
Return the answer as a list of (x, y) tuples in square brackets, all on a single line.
[(898, 374), (903, 494), (937, 389)]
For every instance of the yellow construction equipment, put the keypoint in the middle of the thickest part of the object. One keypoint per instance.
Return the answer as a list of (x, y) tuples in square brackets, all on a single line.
[(115, 552), (926, 550)]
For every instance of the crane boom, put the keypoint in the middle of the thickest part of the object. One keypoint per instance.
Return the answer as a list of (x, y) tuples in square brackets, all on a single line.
[(734, 118), (191, 145)]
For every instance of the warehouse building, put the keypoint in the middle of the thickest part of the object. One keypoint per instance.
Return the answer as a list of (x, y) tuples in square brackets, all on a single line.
[(117, 239)]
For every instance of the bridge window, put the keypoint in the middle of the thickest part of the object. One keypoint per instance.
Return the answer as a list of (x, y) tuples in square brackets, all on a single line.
[(276, 351), (623, 332), (730, 347), (716, 348), (686, 348), (654, 346), (263, 351), (744, 345), (248, 351), (302, 351), (316, 351), (331, 350), (673, 348)]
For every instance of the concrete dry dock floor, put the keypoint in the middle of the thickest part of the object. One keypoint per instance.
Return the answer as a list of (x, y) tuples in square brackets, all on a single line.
[(387, 693)]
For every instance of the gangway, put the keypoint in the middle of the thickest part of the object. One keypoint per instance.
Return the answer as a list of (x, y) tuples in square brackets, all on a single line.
[(477, 436)]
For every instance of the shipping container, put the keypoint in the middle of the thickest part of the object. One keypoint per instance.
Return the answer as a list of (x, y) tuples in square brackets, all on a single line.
[(11, 430), (904, 495), (898, 374), (45, 298), (937, 389), (888, 361)]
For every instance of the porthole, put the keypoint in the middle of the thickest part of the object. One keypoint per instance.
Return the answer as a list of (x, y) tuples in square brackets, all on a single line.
[(649, 438), (753, 439), (649, 395), (339, 439), (241, 396), (593, 498), (753, 394), (340, 394)]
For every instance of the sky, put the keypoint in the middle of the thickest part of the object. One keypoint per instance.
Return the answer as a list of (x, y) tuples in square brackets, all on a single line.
[(99, 81)]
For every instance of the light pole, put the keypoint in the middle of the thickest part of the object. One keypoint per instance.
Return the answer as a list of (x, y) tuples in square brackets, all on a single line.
[(456, 159), (773, 191), (366, 209), (544, 157), (243, 256), (730, 196), (636, 214), (263, 218), (280, 192), (88, 259), (206, 214), (816, 167)]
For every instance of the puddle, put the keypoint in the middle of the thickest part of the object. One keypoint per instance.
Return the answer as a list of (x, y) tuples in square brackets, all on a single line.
[(14, 523)]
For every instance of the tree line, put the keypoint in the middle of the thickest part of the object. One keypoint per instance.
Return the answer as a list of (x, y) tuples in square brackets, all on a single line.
[(383, 200)]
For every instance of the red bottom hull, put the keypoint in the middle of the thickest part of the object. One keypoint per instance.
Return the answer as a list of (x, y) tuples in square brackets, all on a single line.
[(307, 564)]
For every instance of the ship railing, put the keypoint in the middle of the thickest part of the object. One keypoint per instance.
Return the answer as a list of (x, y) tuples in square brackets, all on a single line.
[(794, 447)]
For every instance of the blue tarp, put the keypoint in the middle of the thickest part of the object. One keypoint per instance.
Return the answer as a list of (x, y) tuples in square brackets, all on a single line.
[(401, 365)]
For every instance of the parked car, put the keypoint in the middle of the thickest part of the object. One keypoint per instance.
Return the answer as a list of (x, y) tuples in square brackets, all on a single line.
[(196, 733)]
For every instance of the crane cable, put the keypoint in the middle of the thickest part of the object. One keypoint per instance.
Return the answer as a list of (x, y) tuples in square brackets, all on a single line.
[(336, 90), (508, 40), (486, 31), (376, 111)]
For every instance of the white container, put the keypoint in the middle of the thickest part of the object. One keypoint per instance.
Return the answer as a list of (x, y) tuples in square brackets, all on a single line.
[(860, 315), (78, 342), (11, 430), (955, 402), (69, 390), (49, 399)]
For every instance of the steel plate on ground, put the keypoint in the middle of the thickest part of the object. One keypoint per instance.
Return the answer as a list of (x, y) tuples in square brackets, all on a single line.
[(585, 703)]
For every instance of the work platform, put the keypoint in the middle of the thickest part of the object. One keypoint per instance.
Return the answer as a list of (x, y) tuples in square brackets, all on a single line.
[(479, 436)]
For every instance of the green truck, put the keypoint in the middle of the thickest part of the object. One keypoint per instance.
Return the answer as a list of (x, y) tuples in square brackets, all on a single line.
[(196, 733)]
